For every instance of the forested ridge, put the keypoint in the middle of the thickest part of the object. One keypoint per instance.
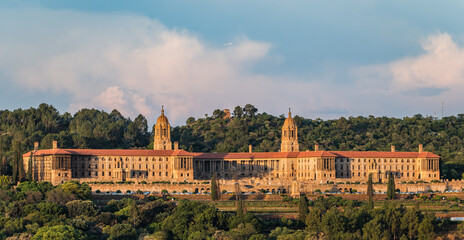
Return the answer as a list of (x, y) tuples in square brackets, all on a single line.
[(91, 128)]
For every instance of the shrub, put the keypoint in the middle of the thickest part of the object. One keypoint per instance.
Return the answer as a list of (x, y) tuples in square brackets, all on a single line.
[(139, 191), (143, 182), (118, 191), (331, 182), (98, 191), (184, 191), (224, 191), (287, 199), (129, 191), (318, 190), (164, 191)]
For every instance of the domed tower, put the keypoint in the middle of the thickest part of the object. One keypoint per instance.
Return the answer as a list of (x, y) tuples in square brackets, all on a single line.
[(289, 135), (162, 139)]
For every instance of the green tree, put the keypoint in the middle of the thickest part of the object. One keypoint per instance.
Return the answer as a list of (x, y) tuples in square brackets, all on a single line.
[(410, 223), (250, 110), (80, 190), (240, 208), (81, 208), (218, 113), (121, 232), (314, 220), (29, 168), (238, 112), (58, 232), (302, 209), (426, 229), (214, 188), (134, 214), (370, 192), (391, 186)]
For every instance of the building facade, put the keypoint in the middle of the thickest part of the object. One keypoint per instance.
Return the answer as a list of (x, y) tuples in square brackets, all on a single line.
[(166, 162)]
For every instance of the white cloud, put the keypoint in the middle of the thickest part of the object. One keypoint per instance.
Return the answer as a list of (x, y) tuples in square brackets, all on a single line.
[(136, 64), (441, 66)]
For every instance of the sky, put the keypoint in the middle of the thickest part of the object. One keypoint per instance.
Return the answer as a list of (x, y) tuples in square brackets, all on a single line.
[(322, 59)]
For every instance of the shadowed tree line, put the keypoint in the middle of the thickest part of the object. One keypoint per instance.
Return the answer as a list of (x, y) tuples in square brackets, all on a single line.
[(91, 128), (39, 210)]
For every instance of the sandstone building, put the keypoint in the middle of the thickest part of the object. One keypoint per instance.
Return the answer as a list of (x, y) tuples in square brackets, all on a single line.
[(168, 163)]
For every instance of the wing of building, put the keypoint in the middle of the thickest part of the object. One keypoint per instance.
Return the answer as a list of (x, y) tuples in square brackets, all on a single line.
[(167, 163)]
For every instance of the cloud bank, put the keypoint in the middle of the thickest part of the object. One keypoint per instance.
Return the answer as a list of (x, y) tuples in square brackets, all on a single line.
[(136, 64)]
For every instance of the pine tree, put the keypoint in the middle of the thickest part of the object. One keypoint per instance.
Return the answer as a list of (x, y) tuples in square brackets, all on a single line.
[(302, 210), (370, 192), (15, 171), (1, 158), (135, 214), (19, 161), (391, 186), (214, 188), (29, 169), (240, 208)]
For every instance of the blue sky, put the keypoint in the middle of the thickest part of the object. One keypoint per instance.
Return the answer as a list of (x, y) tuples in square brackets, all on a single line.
[(325, 59)]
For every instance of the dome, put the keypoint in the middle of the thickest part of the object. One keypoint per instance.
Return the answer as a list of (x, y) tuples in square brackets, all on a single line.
[(289, 121), (162, 120)]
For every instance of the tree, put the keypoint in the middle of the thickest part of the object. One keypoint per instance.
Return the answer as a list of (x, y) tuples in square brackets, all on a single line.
[(15, 171), (302, 209), (370, 192), (80, 190), (391, 186), (134, 214), (426, 230), (240, 208), (18, 160), (121, 232), (238, 112), (250, 110), (29, 168), (190, 121), (410, 222), (214, 188), (218, 113), (81, 208), (58, 232)]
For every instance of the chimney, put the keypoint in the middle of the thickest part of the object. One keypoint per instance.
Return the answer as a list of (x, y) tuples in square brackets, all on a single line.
[(393, 148), (36, 146), (55, 144), (250, 148), (421, 148), (316, 147), (176, 145)]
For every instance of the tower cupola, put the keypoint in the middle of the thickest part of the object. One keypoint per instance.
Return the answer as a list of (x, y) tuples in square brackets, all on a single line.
[(289, 135), (162, 139)]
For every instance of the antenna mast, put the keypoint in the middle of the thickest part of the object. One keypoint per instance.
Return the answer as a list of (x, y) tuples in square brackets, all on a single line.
[(441, 110)]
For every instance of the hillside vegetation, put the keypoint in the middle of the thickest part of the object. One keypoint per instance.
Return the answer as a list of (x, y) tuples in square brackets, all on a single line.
[(91, 128)]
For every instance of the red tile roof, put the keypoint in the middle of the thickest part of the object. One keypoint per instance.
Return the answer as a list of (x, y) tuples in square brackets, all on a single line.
[(110, 152), (254, 155), (261, 155), (372, 154)]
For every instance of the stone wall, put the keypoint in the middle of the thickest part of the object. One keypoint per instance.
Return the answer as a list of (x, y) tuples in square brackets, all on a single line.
[(293, 189)]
